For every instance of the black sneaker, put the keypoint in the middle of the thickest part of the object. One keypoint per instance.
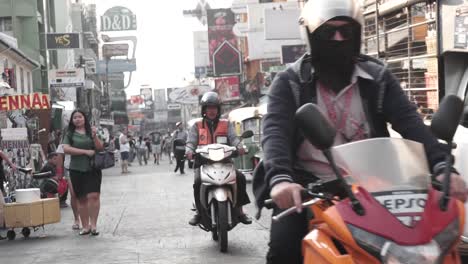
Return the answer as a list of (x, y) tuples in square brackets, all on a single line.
[(195, 220), (245, 219)]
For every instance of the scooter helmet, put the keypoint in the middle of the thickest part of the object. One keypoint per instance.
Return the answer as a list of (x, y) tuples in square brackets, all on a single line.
[(317, 12), (210, 99)]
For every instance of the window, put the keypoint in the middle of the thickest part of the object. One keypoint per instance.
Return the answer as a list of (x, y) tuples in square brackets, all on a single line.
[(28, 79), (6, 24), (21, 87), (15, 73)]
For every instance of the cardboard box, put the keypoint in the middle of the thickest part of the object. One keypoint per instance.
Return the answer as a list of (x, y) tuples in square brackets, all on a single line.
[(24, 214), (51, 210)]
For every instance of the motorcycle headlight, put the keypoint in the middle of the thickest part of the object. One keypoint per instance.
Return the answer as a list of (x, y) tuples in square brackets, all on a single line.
[(424, 254), (391, 253)]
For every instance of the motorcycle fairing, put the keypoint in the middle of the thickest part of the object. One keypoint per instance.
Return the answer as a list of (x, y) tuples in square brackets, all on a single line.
[(379, 221)]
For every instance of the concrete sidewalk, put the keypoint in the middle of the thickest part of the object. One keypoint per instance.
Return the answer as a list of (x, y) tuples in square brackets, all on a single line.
[(143, 219)]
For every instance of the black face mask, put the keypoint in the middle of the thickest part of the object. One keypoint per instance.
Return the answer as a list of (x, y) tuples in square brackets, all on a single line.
[(334, 60), (334, 63)]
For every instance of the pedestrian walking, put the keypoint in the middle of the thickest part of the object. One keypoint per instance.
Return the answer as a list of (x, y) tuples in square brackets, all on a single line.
[(141, 150), (156, 146), (178, 146), (81, 142), (66, 174), (133, 151), (124, 147), (166, 146), (149, 148)]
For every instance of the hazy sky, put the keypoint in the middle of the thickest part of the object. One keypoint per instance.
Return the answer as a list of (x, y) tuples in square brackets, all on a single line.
[(165, 41)]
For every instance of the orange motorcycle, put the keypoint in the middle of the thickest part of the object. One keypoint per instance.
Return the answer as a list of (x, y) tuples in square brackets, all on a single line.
[(388, 210)]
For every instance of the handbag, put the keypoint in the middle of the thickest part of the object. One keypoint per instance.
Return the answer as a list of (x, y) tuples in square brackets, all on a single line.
[(103, 160)]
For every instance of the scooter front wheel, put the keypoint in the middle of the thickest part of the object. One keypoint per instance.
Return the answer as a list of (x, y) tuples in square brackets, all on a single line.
[(222, 225)]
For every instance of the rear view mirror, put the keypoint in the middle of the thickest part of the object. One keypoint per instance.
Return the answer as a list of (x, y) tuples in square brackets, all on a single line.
[(445, 121), (315, 126), (247, 134), (464, 121)]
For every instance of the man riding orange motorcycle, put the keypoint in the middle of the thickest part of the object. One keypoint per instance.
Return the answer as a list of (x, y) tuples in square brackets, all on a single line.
[(357, 94)]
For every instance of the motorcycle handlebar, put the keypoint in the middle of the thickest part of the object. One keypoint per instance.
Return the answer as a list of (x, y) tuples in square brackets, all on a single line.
[(270, 204)]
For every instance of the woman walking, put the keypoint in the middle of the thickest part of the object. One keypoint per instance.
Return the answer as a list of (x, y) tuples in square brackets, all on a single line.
[(81, 142), (141, 151)]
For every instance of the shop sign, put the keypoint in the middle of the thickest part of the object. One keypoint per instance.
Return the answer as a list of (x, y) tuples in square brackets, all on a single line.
[(67, 78), (118, 18), (14, 138), (63, 40), (24, 101), (111, 50)]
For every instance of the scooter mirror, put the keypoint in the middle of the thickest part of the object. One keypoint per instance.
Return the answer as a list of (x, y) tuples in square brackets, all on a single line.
[(315, 126), (445, 121), (247, 134)]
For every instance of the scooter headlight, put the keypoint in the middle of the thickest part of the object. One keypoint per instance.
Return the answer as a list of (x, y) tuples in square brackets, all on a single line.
[(216, 154), (391, 253)]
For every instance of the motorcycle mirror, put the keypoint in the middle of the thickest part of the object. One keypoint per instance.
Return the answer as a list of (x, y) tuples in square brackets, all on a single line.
[(465, 117), (445, 121), (247, 134), (315, 126)]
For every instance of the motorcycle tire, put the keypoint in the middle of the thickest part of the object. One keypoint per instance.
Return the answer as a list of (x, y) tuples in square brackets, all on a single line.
[(223, 226)]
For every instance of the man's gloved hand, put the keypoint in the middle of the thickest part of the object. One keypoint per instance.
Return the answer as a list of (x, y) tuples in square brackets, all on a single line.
[(287, 194), (189, 155), (457, 186)]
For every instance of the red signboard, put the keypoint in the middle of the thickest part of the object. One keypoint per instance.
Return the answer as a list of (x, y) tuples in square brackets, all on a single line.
[(220, 24), (24, 101)]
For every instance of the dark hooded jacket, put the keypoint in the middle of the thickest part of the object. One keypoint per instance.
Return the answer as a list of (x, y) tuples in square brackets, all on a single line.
[(383, 101)]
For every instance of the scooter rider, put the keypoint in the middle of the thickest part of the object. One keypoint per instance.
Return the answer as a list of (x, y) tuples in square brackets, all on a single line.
[(211, 129), (357, 94)]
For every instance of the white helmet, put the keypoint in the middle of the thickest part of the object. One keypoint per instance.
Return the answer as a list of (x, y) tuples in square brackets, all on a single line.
[(317, 12)]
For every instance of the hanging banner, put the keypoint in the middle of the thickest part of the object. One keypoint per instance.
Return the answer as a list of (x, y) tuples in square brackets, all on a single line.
[(147, 94), (228, 88), (63, 94), (187, 95), (226, 60), (220, 24), (24, 101), (159, 97)]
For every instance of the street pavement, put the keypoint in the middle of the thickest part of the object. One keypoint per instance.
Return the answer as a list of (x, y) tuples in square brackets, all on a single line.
[(143, 219)]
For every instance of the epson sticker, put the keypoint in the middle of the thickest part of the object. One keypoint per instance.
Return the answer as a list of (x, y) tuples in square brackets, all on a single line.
[(407, 206)]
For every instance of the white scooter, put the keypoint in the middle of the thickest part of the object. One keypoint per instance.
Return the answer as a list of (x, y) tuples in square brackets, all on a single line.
[(218, 192)]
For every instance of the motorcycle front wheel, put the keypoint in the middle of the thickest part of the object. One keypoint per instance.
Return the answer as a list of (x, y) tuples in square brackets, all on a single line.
[(222, 226)]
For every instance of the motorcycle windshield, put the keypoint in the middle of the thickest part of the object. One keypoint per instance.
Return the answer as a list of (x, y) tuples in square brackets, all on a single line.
[(384, 164)]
